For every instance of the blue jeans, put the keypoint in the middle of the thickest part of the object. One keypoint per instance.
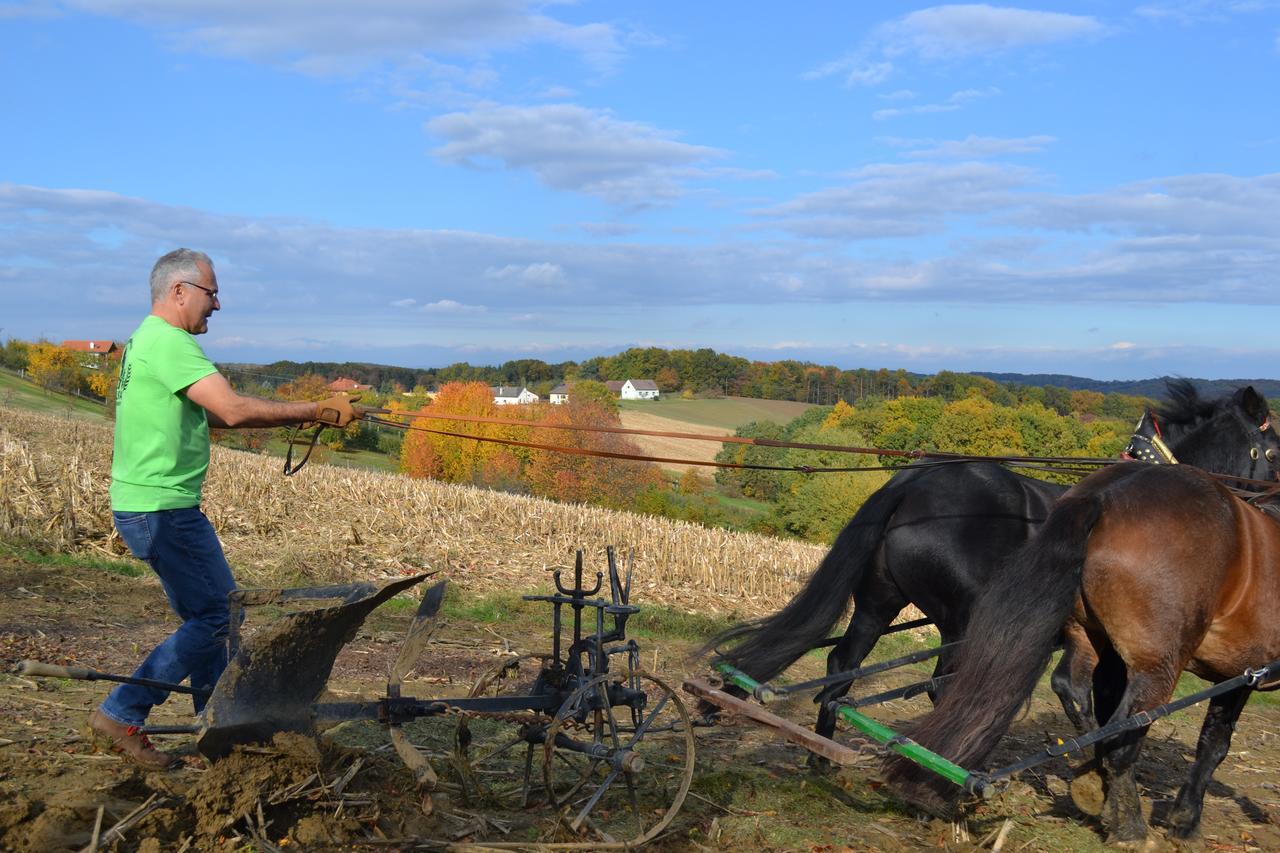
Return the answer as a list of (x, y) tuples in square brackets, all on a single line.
[(182, 548)]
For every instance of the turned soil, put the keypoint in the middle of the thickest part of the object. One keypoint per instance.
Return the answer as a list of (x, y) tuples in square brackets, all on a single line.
[(348, 789)]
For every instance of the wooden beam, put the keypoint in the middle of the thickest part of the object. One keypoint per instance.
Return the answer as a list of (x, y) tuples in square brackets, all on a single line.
[(797, 734)]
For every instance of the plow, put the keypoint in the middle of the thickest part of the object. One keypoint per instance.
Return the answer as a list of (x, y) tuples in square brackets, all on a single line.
[(594, 737)]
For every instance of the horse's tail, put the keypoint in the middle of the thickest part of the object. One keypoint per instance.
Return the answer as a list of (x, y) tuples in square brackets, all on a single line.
[(1014, 627), (765, 647)]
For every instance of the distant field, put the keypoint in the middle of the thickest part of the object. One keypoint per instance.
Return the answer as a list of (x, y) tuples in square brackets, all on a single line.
[(15, 391), (727, 413), (673, 448)]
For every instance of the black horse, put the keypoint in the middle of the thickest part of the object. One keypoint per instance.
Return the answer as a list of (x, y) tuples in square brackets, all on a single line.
[(932, 536)]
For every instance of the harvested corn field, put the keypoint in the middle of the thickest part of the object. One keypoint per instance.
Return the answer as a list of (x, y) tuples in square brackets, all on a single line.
[(335, 524)]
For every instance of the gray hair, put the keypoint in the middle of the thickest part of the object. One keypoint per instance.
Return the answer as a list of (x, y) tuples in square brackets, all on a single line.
[(178, 265)]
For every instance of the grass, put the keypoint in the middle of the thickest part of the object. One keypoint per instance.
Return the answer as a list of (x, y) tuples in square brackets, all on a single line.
[(726, 412), (368, 460), (22, 393), (29, 554), (512, 611)]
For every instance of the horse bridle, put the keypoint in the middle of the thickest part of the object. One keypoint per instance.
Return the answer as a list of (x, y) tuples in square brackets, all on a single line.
[(1256, 452), (1148, 445)]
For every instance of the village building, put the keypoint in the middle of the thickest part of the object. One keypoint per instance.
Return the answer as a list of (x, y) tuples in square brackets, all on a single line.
[(510, 395), (559, 395), (91, 353), (344, 385), (633, 389), (639, 389)]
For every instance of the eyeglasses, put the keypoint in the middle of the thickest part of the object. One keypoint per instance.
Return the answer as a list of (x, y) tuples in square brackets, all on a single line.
[(213, 294)]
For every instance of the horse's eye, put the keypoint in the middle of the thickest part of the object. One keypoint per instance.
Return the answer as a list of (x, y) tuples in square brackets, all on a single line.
[(1253, 453), (1272, 456)]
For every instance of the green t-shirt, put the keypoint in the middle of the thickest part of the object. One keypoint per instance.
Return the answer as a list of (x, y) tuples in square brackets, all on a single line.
[(162, 438)]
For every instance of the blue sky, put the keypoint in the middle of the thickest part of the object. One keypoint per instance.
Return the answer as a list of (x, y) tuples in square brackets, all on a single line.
[(1088, 188)]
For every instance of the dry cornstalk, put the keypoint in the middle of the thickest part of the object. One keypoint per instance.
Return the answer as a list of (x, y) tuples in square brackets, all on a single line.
[(330, 524)]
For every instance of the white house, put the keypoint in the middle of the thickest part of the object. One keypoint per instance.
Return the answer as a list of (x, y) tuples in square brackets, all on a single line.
[(507, 395), (559, 395), (639, 389)]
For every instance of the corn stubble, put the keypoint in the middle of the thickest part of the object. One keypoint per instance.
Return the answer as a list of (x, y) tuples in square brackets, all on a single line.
[(331, 524)]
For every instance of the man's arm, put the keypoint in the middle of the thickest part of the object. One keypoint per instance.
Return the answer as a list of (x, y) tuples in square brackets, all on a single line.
[(228, 409)]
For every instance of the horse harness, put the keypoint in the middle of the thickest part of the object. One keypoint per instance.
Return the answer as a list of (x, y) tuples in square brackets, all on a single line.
[(1147, 444)]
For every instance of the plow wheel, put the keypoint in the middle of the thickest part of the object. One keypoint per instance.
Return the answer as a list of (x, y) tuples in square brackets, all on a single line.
[(631, 768), (493, 757)]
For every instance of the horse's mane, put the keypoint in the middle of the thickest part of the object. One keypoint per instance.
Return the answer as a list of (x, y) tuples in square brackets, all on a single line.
[(1185, 407)]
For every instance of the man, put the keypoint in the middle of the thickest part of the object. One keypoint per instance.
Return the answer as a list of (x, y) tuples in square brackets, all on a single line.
[(169, 394)]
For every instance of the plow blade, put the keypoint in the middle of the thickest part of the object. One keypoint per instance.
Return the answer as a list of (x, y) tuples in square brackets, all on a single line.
[(275, 678)]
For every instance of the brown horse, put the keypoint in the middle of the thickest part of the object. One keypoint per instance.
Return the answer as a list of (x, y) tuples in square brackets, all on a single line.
[(1148, 571)]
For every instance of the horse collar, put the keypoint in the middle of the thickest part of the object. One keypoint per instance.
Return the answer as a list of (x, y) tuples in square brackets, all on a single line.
[(1147, 444)]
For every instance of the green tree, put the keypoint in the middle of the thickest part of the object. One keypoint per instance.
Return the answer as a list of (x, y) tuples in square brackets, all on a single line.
[(818, 506)]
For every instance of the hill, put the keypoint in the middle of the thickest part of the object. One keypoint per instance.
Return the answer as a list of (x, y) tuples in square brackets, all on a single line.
[(1154, 388)]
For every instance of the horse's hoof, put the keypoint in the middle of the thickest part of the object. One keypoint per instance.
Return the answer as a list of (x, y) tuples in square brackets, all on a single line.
[(1184, 827), (1132, 837), (1087, 793)]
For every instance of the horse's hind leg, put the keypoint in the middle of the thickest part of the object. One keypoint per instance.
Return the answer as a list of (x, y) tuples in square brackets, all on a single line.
[(1073, 677), (1122, 812), (1073, 682), (1215, 739), (872, 614)]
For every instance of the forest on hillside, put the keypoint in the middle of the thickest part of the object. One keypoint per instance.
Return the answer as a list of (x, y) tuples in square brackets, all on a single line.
[(557, 451), (707, 373)]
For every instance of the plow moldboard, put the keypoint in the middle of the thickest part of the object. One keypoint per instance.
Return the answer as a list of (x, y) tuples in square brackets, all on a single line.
[(276, 677)]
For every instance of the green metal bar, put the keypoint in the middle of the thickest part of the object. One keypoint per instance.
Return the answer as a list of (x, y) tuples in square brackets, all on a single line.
[(883, 735)]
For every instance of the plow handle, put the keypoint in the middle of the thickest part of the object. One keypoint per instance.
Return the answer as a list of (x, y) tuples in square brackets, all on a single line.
[(84, 673), (35, 667)]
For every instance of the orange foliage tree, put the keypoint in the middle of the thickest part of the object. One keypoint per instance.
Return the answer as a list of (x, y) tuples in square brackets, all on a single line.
[(462, 460), (590, 479)]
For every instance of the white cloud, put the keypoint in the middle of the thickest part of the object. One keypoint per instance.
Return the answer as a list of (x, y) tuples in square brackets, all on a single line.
[(973, 29), (955, 101), (609, 229), (974, 147), (30, 10), (1192, 12), (996, 237), (449, 306), (951, 32), (542, 274), (900, 200), (330, 36), (571, 148), (557, 93)]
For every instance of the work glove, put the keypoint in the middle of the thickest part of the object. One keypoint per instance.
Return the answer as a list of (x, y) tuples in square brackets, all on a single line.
[(337, 411)]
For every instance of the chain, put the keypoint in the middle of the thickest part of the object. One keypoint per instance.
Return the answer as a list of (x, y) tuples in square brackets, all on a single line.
[(517, 718)]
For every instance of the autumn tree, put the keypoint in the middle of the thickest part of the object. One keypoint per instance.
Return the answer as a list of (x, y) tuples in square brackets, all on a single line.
[(582, 478), (53, 367), (979, 427), (590, 391), (459, 459), (14, 354)]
